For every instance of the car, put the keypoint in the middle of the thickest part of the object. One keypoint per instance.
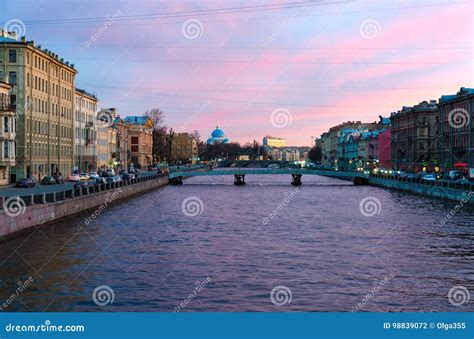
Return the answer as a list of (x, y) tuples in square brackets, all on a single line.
[(117, 178), (48, 180), (93, 175), (126, 176), (429, 177), (100, 180), (84, 176), (109, 180), (59, 179), (110, 172), (74, 177), (80, 183), (454, 175), (26, 182)]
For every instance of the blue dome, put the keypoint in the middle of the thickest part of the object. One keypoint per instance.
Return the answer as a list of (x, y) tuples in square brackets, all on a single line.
[(218, 133), (210, 141), (226, 141)]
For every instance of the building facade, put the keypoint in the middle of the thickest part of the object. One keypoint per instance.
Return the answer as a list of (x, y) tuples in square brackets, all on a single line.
[(414, 137), (184, 147), (456, 120), (123, 143), (7, 133), (269, 141), (106, 143), (141, 140), (85, 137), (43, 89)]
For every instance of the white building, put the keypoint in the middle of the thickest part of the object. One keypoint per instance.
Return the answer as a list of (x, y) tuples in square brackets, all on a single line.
[(7, 133), (85, 159)]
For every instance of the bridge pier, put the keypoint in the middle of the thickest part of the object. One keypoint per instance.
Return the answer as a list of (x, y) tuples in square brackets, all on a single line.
[(176, 181), (359, 181), (239, 179), (296, 179)]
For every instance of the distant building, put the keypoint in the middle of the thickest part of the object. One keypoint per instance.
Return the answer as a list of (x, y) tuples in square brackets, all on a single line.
[(141, 140), (85, 131), (269, 141), (106, 138), (414, 137), (123, 157), (184, 147), (325, 148), (456, 114), (334, 134), (7, 133), (290, 154), (43, 88), (217, 137)]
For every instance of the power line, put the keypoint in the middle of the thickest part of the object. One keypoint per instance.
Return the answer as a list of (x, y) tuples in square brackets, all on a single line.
[(195, 13), (278, 62)]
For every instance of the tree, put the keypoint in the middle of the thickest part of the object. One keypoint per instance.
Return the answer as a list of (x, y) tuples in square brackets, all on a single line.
[(315, 154), (160, 138)]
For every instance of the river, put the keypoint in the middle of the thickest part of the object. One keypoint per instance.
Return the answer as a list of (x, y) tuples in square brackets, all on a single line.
[(267, 246)]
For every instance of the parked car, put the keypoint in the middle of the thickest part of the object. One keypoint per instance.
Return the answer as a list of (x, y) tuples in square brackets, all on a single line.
[(59, 179), (26, 183), (429, 177), (100, 180), (110, 172), (80, 183), (74, 177), (48, 180), (126, 176), (109, 180), (117, 178), (84, 176), (93, 175), (454, 175)]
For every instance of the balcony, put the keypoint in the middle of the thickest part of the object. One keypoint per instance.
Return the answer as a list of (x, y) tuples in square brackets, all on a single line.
[(4, 107)]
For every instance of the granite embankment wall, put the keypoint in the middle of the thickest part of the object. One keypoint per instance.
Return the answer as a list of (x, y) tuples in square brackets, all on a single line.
[(444, 190), (21, 213)]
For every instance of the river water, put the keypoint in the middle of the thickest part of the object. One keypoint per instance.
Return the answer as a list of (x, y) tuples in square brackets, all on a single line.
[(211, 246)]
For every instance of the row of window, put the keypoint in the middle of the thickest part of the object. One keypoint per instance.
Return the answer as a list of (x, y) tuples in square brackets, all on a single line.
[(41, 128), (44, 106), (92, 106), (41, 149)]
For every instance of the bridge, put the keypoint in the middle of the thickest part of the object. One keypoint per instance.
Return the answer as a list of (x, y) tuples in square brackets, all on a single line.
[(176, 176)]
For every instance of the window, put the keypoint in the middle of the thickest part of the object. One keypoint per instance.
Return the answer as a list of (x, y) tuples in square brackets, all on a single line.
[(12, 78), (12, 55)]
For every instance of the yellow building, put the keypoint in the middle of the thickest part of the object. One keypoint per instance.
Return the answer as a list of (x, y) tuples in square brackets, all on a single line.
[(141, 140), (106, 139), (274, 142), (184, 147), (7, 133), (43, 86)]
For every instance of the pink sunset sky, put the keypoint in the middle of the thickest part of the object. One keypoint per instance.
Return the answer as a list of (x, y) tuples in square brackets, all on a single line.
[(319, 63)]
